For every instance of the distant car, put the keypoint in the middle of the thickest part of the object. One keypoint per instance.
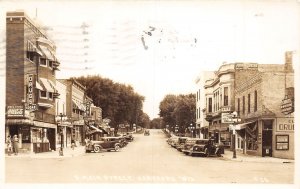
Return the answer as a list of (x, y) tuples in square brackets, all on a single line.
[(204, 147), (147, 133), (105, 143)]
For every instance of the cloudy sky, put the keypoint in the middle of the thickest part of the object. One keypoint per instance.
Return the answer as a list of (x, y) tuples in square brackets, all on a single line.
[(160, 47)]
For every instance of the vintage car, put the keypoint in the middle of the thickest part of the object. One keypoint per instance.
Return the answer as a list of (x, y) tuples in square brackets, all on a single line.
[(172, 139), (204, 147), (147, 132), (129, 137), (104, 144), (180, 143)]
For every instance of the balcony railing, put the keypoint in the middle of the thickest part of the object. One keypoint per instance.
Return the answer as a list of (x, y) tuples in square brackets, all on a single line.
[(44, 117)]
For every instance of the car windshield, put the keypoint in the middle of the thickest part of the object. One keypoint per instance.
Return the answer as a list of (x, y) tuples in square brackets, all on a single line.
[(190, 141), (202, 142)]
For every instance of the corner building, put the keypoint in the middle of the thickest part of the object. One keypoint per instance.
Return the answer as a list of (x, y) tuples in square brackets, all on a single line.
[(30, 84)]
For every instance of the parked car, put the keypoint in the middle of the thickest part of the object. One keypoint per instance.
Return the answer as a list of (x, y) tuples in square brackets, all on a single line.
[(180, 144), (105, 143), (147, 132), (204, 147), (171, 139), (129, 137), (122, 140)]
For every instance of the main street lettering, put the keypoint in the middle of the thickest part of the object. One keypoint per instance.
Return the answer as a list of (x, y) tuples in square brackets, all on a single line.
[(285, 124)]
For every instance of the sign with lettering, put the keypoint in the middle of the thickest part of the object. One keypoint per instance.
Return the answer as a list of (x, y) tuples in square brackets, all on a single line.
[(15, 111), (285, 124), (30, 89), (227, 118), (287, 106)]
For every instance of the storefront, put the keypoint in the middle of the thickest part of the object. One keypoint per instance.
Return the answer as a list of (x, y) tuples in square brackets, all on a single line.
[(77, 133), (220, 132), (64, 133)]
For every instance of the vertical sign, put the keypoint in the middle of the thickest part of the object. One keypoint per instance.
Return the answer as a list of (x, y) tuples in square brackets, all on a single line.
[(30, 89), (88, 105)]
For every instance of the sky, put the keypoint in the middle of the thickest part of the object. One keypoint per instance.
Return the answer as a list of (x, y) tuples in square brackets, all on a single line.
[(161, 47)]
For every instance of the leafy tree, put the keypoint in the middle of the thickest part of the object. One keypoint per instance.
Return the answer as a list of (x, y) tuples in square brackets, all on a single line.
[(119, 102), (166, 109), (156, 123)]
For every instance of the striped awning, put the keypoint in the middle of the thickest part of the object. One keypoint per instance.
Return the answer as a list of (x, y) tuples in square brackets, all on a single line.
[(47, 85), (47, 53), (32, 48), (38, 86), (52, 85)]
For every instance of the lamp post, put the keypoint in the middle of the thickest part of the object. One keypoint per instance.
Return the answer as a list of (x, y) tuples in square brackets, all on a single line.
[(61, 152), (235, 119)]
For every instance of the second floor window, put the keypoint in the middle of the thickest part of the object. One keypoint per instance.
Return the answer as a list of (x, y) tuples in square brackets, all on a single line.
[(255, 101), (249, 102), (43, 94), (243, 104), (43, 62), (225, 96), (30, 56), (238, 108), (209, 105)]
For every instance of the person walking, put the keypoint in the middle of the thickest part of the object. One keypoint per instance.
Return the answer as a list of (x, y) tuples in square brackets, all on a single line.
[(9, 145), (16, 144)]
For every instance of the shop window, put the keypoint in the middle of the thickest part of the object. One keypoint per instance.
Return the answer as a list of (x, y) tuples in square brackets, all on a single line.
[(225, 96), (252, 132), (43, 94), (43, 62)]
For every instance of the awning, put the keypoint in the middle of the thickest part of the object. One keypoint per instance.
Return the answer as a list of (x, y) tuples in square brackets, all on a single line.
[(47, 53), (242, 125), (52, 85), (32, 48), (47, 85), (38, 86)]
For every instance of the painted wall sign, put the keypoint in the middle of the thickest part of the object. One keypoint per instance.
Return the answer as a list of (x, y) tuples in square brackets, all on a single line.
[(15, 111), (285, 124)]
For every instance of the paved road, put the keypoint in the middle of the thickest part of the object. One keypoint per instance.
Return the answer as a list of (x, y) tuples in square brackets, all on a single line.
[(148, 159)]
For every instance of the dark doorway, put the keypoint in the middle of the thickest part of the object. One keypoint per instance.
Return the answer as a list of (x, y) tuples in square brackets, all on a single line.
[(51, 138), (267, 138), (13, 130)]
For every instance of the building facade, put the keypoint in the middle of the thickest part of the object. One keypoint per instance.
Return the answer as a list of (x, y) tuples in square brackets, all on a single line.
[(219, 99), (30, 84), (264, 96), (201, 123)]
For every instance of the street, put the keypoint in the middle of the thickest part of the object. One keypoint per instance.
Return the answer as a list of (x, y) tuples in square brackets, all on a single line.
[(148, 159)]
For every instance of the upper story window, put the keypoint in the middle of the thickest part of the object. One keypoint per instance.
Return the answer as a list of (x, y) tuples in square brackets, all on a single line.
[(50, 64), (43, 62), (209, 105), (238, 108), (249, 103), (30, 56), (225, 96), (50, 95), (243, 104), (255, 101), (43, 94)]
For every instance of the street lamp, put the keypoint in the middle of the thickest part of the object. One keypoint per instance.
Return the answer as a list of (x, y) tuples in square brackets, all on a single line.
[(235, 119), (61, 152)]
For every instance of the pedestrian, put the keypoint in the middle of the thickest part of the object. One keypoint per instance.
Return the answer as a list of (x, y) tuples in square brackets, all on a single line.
[(15, 144), (9, 145)]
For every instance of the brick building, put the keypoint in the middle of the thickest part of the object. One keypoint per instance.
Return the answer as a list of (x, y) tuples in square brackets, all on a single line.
[(30, 84), (266, 129)]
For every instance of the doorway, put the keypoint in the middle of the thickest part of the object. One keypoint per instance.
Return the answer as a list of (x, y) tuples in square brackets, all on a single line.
[(267, 135)]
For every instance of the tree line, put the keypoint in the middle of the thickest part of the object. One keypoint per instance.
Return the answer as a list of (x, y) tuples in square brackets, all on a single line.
[(119, 102)]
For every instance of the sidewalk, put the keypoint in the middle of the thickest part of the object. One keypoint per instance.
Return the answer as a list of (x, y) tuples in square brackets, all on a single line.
[(250, 158), (67, 153)]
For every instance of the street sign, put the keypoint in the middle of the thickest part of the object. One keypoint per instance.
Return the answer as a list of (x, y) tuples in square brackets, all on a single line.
[(227, 118)]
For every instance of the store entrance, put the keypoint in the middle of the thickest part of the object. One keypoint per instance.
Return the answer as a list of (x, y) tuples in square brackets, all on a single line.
[(13, 130), (51, 137), (267, 138)]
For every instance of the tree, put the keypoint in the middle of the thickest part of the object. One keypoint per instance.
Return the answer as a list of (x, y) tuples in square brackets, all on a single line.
[(166, 109), (119, 102), (156, 123)]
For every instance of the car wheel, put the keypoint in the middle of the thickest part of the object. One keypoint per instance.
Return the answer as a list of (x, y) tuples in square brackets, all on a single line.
[(97, 149), (206, 152), (117, 148), (191, 154)]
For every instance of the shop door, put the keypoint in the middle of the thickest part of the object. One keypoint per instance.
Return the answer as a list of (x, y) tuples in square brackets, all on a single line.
[(267, 138), (51, 138)]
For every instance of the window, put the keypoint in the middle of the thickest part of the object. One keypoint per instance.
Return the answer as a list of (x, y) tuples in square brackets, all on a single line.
[(43, 62), (238, 108), (209, 105), (197, 114), (50, 95), (243, 104), (50, 64), (43, 94), (225, 96), (255, 101), (249, 102), (30, 56)]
